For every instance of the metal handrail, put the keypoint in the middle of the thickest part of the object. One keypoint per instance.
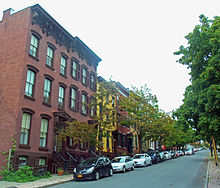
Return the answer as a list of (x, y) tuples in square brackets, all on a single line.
[(71, 156)]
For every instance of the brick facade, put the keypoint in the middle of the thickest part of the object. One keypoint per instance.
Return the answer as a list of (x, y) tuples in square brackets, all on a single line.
[(16, 31)]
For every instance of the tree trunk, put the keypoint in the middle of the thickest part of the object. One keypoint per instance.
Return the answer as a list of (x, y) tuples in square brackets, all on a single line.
[(211, 149)]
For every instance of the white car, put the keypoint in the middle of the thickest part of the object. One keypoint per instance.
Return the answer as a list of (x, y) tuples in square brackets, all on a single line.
[(189, 152), (142, 160), (122, 164), (167, 154)]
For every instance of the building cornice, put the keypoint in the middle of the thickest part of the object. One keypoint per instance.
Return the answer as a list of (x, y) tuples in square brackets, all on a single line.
[(50, 27)]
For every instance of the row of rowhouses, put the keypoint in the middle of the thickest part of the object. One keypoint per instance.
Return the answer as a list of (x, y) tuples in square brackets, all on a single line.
[(46, 78)]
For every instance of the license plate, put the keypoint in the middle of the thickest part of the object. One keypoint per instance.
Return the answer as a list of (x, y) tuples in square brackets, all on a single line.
[(79, 176)]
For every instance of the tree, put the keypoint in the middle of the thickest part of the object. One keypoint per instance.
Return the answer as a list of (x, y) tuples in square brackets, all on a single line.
[(201, 106), (79, 132), (141, 107), (103, 100)]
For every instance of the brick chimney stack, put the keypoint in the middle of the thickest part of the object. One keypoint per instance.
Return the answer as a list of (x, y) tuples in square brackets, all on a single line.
[(6, 14)]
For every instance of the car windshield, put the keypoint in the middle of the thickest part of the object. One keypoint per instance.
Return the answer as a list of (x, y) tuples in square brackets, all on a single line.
[(138, 157), (150, 153), (88, 162), (118, 160)]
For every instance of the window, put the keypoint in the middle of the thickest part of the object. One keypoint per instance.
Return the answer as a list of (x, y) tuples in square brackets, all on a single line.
[(113, 101), (50, 55), (74, 71), (25, 128), (123, 141), (92, 82), (29, 88), (63, 66), (42, 161), (107, 140), (73, 98), (84, 76), (119, 139), (43, 132), (61, 97), (34, 45), (136, 141), (23, 160), (47, 91), (84, 100)]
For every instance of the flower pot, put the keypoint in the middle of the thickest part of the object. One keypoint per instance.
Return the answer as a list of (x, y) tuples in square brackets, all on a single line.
[(60, 172)]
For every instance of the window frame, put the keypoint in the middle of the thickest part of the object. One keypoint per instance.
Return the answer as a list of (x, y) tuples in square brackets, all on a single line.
[(62, 67), (34, 53), (61, 106), (53, 48), (84, 107), (76, 69), (44, 139), (75, 88)]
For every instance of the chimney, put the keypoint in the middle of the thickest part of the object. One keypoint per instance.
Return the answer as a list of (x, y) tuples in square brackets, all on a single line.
[(6, 14)]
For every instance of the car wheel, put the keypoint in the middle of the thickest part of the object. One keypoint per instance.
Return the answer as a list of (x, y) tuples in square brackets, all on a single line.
[(110, 172), (151, 163), (97, 175), (132, 168), (145, 164), (123, 169)]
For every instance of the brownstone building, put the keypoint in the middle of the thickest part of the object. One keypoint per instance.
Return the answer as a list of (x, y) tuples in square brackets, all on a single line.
[(46, 77)]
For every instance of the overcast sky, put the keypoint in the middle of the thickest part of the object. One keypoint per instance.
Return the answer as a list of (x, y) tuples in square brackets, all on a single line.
[(134, 38)]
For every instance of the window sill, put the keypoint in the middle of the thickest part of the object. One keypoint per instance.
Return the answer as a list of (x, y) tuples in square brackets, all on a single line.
[(29, 98), (72, 147), (83, 149), (60, 108), (84, 114), (49, 67), (74, 78), (33, 57), (21, 146), (43, 149), (63, 75), (46, 104)]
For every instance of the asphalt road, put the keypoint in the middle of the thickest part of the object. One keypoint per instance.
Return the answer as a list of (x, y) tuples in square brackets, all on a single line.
[(183, 172)]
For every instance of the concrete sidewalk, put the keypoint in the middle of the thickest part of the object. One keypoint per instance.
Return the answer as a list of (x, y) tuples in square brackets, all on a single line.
[(214, 173), (55, 179)]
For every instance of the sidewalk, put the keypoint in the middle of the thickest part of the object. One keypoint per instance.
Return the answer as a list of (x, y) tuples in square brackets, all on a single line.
[(55, 179), (214, 173)]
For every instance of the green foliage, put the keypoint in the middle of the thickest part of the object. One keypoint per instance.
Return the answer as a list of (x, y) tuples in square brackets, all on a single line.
[(23, 174), (79, 131), (202, 98)]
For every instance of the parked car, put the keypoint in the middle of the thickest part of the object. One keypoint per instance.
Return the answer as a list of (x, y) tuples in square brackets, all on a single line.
[(162, 156), (189, 152), (155, 156), (122, 163), (93, 168), (167, 154), (180, 152), (173, 154), (142, 160)]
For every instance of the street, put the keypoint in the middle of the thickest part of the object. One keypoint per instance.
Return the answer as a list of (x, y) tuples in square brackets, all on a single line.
[(183, 172)]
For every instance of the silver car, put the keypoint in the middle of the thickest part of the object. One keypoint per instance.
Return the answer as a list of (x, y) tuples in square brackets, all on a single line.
[(142, 160)]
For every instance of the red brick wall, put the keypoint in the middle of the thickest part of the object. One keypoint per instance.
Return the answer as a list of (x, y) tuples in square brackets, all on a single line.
[(13, 33), (15, 36)]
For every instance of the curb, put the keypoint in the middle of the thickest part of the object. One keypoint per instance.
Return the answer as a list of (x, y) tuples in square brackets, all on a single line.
[(60, 182), (207, 176)]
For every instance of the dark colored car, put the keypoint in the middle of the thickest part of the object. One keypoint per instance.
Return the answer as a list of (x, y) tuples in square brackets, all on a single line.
[(155, 156), (93, 168)]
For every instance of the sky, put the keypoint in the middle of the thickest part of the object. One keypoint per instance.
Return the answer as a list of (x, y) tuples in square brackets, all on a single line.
[(134, 38)]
